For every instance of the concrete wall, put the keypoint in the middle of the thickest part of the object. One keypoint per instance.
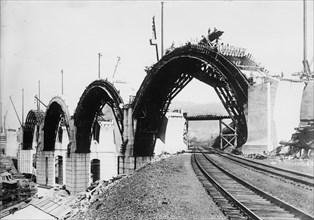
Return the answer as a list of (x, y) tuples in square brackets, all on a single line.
[(46, 161), (287, 107), (307, 112), (12, 144), (273, 113), (78, 165), (173, 135), (128, 164), (3, 143), (61, 150), (25, 157), (78, 172), (45, 168), (258, 121), (25, 161), (106, 150)]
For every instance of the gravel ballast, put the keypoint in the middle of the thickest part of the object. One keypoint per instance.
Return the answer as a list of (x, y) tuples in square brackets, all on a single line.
[(295, 195), (166, 189)]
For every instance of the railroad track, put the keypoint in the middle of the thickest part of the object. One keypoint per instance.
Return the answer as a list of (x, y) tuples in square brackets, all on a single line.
[(239, 199), (295, 178)]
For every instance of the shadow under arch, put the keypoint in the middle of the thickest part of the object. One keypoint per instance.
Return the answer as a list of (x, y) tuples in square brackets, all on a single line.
[(33, 118), (166, 78), (57, 113), (94, 98)]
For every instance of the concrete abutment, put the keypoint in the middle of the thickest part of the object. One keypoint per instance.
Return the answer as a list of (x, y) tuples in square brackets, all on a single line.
[(273, 113)]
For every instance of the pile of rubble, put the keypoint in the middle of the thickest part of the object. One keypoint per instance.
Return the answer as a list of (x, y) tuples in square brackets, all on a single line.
[(90, 195), (301, 142), (15, 188), (299, 147)]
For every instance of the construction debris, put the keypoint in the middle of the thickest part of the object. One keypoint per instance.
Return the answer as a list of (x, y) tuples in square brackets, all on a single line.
[(301, 142)]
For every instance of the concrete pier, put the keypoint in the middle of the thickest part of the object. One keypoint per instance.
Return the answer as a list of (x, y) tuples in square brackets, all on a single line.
[(78, 172), (45, 168), (172, 134), (273, 113)]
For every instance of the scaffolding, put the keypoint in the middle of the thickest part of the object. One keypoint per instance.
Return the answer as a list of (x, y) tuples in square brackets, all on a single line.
[(227, 139)]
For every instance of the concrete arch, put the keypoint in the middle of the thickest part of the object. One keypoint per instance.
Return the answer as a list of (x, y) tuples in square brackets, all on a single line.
[(33, 118), (57, 112), (171, 74), (94, 98)]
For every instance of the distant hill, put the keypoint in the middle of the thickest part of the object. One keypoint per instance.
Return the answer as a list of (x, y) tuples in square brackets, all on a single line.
[(197, 108), (201, 130)]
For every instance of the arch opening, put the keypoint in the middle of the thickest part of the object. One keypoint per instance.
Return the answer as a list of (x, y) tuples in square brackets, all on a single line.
[(59, 170), (31, 127), (95, 170), (171, 74), (97, 95), (56, 117)]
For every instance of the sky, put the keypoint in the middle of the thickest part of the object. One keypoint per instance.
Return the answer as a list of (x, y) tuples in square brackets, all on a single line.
[(41, 38)]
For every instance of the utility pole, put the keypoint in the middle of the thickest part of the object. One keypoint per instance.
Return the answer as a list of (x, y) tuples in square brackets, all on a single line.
[(153, 41), (16, 113), (61, 82), (304, 33), (99, 55), (22, 106), (115, 69), (0, 117), (306, 66), (38, 100), (38, 105), (1, 128), (162, 29)]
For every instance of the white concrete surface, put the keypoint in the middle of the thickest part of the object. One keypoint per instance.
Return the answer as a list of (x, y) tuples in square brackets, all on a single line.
[(173, 136)]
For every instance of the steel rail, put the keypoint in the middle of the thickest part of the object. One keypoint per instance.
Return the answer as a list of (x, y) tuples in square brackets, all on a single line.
[(295, 179), (273, 199), (242, 207)]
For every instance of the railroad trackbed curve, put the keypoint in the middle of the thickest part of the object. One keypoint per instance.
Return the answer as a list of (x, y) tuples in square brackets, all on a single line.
[(288, 176), (238, 199)]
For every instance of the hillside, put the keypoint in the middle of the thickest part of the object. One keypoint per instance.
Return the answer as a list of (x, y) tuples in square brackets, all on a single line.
[(197, 108)]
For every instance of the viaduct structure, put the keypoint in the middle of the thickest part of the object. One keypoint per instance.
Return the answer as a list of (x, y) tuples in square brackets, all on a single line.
[(74, 150)]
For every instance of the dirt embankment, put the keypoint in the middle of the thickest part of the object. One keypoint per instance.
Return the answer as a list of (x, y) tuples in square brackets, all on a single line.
[(167, 189)]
